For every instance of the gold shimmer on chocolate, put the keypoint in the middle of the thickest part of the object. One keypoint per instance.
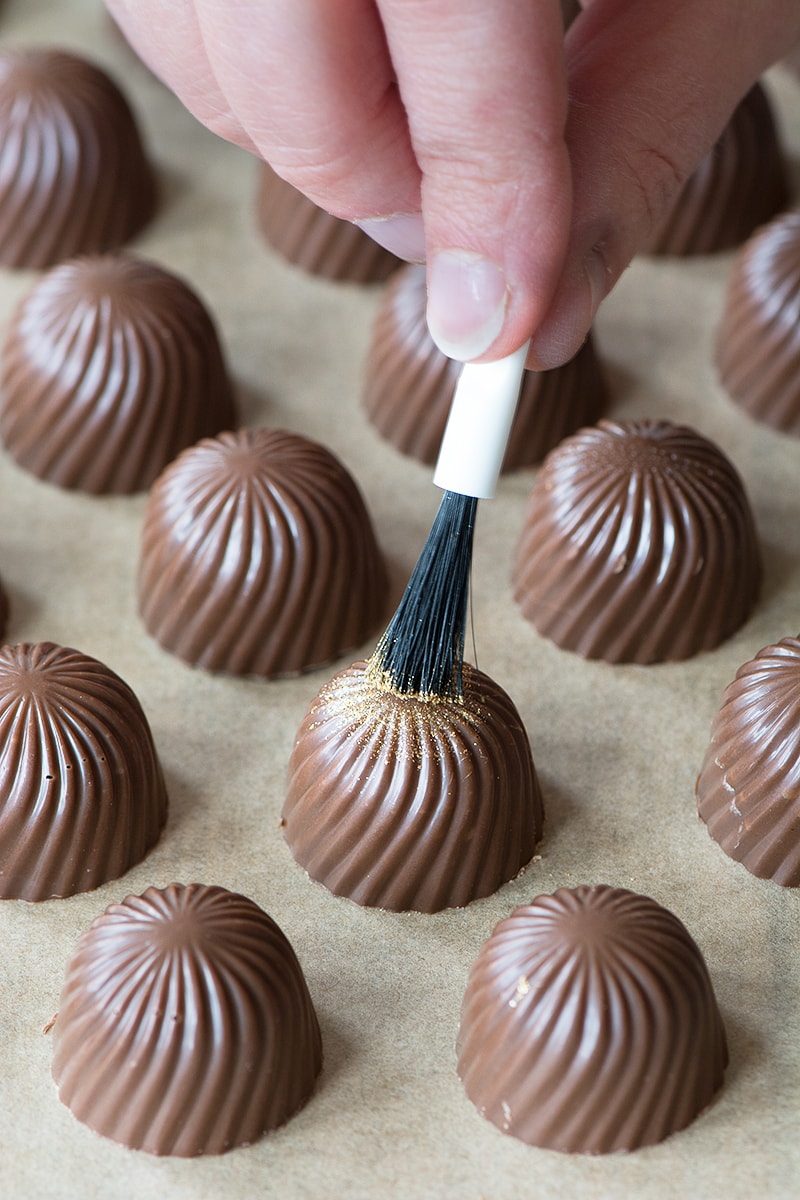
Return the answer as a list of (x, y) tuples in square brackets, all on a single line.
[(409, 384), (82, 796), (742, 182), (748, 789), (589, 1024), (758, 341), (258, 556), (74, 177), (411, 804), (111, 366), (638, 544), (306, 236), (185, 1025)]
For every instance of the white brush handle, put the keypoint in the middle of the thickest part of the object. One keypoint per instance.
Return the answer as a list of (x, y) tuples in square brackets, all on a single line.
[(476, 434)]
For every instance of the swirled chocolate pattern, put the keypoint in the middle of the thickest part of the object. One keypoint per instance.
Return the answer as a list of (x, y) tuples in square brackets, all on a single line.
[(82, 796), (748, 789), (74, 177), (306, 236), (742, 182), (258, 556), (758, 340), (589, 1024), (111, 366), (185, 1025), (638, 544), (409, 384), (404, 803)]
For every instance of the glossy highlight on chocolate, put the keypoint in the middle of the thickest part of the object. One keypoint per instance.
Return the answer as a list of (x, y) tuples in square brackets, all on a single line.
[(111, 366), (748, 789), (411, 804), (638, 544), (589, 1024), (74, 175), (185, 1024), (757, 349), (258, 556), (82, 794)]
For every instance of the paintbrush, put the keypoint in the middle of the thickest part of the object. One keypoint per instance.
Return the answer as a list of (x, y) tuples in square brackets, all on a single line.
[(422, 651)]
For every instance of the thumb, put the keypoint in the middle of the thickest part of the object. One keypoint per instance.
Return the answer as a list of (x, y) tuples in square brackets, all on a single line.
[(651, 89), (485, 96)]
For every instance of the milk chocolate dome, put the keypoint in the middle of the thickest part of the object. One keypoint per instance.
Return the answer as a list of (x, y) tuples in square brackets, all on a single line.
[(409, 384), (406, 803), (748, 789), (742, 182), (185, 1025), (589, 1024), (82, 796), (258, 556), (74, 177), (111, 366), (758, 340), (305, 235), (638, 544)]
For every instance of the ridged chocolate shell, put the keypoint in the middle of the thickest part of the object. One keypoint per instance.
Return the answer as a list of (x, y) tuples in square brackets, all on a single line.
[(638, 544), (185, 1025), (758, 341), (258, 556), (74, 176), (111, 366), (408, 804), (305, 235), (748, 789), (589, 1024), (742, 182), (82, 795), (409, 384)]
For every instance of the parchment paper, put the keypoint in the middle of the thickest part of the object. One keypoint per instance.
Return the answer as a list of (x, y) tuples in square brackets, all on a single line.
[(617, 748)]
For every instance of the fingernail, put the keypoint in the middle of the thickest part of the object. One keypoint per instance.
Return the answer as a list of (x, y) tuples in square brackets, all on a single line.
[(402, 234), (467, 298)]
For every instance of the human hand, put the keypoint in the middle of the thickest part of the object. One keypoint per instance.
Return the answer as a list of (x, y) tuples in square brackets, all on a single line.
[(526, 169)]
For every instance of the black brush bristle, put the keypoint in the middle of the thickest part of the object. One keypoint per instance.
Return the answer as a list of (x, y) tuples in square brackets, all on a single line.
[(422, 650)]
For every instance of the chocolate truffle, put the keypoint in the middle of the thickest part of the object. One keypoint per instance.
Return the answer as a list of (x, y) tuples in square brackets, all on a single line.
[(638, 544), (185, 1025), (82, 796), (74, 177), (741, 183), (258, 556), (748, 789), (306, 236), (409, 384), (406, 803), (758, 340), (589, 1024), (111, 366)]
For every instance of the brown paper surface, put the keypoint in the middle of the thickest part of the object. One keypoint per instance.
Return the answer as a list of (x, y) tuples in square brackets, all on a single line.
[(617, 748)]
